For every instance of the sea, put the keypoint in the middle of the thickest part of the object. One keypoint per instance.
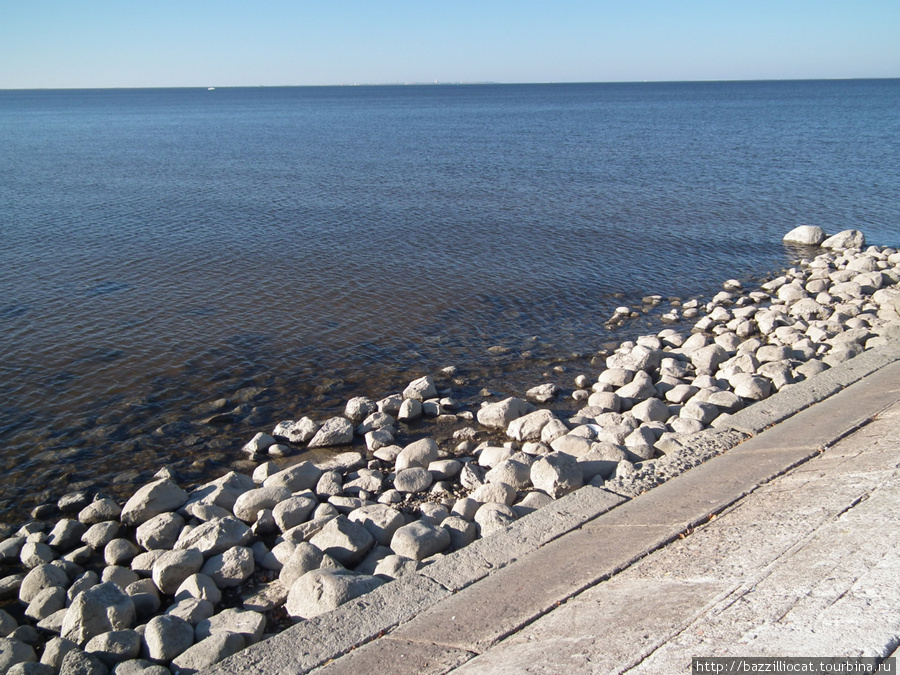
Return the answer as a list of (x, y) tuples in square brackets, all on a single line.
[(285, 249)]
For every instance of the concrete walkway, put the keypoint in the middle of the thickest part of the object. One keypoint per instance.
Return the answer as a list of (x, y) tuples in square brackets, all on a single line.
[(785, 545)]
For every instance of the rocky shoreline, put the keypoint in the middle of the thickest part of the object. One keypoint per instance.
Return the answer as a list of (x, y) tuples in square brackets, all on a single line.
[(176, 580)]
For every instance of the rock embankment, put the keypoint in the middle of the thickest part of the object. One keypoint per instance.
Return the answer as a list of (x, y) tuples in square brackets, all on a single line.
[(175, 580)]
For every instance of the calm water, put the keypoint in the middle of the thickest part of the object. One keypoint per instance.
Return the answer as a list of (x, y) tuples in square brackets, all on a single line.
[(160, 249)]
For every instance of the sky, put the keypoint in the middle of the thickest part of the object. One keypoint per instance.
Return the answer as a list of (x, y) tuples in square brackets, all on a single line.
[(189, 43)]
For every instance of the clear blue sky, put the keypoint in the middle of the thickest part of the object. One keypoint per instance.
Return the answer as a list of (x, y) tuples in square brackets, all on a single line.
[(130, 43)]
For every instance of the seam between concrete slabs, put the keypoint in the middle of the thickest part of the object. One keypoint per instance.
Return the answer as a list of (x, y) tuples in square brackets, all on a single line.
[(487, 557)]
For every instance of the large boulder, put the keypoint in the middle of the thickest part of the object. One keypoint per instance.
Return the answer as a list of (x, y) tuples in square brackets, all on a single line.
[(151, 500), (556, 474), (499, 415), (100, 609), (335, 431), (421, 389), (215, 536), (344, 540), (300, 476), (529, 427), (419, 540), (805, 235), (418, 453), (845, 239), (321, 591)]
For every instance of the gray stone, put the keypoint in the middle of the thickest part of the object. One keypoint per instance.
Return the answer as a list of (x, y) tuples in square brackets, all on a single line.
[(12, 652), (492, 517), (707, 359), (533, 501), (543, 393), (321, 591), (529, 427), (556, 474), (39, 578), (845, 239), (119, 552), (304, 558), (413, 480), (215, 536), (160, 531), (570, 444), (222, 492), (511, 472), (500, 493), (140, 667), (66, 534), (192, 610), (173, 567), (300, 476), (419, 540), (421, 389), (45, 603), (207, 652), (410, 409), (394, 566), (639, 389), (99, 535), (499, 415), (103, 608), (115, 646), (36, 553), (417, 454), (230, 568), (258, 444), (805, 235), (297, 432), (293, 511), (99, 510), (76, 662), (166, 637), (143, 562), (54, 652), (750, 386), (249, 504), (329, 484), (336, 431), (30, 668), (7, 623), (158, 497), (248, 624), (380, 520), (701, 411), (85, 581), (358, 408), (344, 540), (445, 469), (201, 587), (651, 410), (462, 532)]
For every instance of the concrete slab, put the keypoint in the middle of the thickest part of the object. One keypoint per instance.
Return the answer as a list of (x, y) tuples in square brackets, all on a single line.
[(399, 657), (572, 640), (480, 615)]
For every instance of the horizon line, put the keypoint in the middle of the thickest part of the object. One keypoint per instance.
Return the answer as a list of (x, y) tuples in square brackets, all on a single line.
[(440, 83)]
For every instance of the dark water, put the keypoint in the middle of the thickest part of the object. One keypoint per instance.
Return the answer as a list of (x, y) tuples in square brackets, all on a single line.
[(160, 249)]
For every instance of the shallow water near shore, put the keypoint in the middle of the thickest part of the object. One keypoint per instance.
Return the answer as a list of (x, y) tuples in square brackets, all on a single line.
[(288, 248)]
